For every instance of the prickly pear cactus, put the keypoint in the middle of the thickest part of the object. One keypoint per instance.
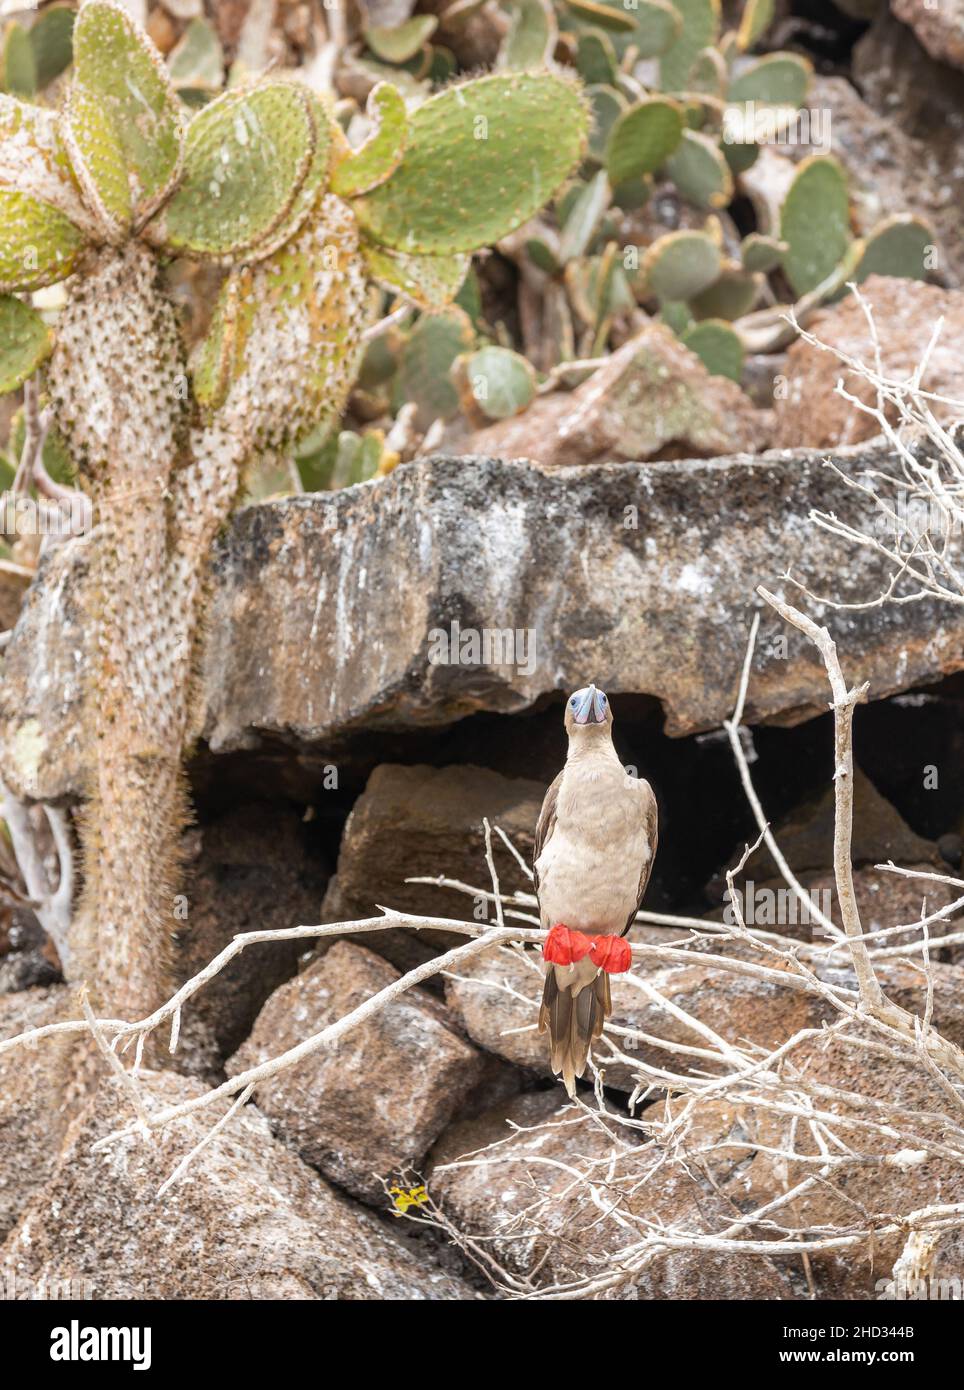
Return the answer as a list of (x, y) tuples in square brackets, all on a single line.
[(262, 180), (475, 169), (682, 105)]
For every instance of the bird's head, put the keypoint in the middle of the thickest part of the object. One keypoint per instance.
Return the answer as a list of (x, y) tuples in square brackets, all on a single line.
[(588, 713)]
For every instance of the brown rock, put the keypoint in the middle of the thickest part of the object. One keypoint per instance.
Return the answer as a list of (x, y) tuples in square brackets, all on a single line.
[(940, 28), (249, 870), (884, 900), (27, 955), (12, 589), (805, 837), (905, 312), (368, 1107), (653, 398), (492, 1196), (250, 1221), (497, 1001), (871, 1193), (422, 821)]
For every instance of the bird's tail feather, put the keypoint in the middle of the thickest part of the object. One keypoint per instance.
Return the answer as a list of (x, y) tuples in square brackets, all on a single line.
[(574, 1013)]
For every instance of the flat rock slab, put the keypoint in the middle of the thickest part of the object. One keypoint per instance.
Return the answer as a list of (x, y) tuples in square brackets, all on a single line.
[(326, 609)]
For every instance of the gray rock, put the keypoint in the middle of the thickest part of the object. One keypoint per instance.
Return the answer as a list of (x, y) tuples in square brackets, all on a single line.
[(923, 99), (250, 1221), (324, 607), (889, 169)]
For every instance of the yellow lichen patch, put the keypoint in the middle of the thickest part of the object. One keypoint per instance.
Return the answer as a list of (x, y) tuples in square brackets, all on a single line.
[(27, 749)]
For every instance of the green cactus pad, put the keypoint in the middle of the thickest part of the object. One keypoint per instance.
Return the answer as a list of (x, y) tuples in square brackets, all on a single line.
[(643, 139), (633, 194), (780, 79), (247, 156), (357, 457), (583, 216), (902, 246), (718, 347), (121, 122), (607, 104), (396, 43), (33, 160), (730, 297), (658, 26), (607, 14), (214, 361), (701, 27), (482, 159), (676, 315), (740, 155), (596, 59), (431, 282), (700, 171), (762, 253), (313, 185), (294, 343), (501, 382), (681, 264), (709, 73), (38, 244), (364, 169), (756, 19), (18, 62), (197, 61), (52, 40), (542, 256), (532, 36), (25, 342), (435, 342), (815, 222)]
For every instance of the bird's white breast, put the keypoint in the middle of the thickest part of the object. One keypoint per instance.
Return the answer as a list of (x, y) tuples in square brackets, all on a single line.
[(590, 865)]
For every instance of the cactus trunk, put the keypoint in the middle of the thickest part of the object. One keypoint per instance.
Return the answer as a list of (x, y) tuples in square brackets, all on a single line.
[(119, 387)]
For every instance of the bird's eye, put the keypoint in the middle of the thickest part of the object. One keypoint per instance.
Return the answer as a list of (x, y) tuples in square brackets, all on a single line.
[(574, 702), (602, 699)]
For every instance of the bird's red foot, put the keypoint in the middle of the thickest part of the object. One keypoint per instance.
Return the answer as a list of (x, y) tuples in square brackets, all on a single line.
[(563, 946), (611, 953)]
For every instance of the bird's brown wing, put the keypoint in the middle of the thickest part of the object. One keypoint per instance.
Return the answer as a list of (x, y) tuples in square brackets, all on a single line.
[(545, 826), (651, 818)]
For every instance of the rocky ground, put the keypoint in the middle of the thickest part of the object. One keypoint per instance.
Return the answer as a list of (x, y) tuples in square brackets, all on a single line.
[(323, 784), (620, 535)]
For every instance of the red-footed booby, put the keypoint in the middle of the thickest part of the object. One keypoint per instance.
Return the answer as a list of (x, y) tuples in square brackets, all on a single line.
[(594, 849)]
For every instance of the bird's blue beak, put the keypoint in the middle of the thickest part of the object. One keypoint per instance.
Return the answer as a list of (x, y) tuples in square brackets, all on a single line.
[(591, 708)]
